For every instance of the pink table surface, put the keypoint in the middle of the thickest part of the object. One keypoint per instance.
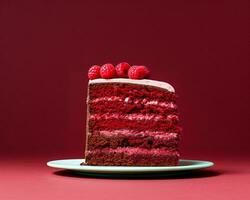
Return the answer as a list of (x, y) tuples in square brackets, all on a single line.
[(30, 178)]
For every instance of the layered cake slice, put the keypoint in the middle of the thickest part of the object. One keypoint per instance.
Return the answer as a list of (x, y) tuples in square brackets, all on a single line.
[(131, 123)]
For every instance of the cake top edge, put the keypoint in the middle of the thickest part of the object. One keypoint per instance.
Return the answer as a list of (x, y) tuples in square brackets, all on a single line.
[(148, 82)]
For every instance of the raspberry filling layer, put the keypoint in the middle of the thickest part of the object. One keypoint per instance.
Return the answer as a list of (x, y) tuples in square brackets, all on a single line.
[(127, 138), (129, 156)]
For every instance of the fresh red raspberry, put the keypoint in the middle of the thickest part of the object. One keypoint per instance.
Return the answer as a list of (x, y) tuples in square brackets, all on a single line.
[(107, 71), (94, 72), (138, 72), (122, 70)]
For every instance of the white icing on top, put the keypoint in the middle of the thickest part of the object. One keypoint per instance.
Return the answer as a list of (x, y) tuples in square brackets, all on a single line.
[(148, 82)]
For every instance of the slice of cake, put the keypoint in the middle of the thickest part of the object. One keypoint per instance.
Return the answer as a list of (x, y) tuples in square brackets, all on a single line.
[(131, 123)]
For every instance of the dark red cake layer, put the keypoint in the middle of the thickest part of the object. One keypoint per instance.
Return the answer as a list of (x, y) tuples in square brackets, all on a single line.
[(130, 105), (132, 157), (127, 138), (130, 90), (132, 121)]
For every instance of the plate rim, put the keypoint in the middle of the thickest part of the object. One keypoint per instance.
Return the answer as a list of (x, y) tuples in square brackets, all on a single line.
[(195, 164)]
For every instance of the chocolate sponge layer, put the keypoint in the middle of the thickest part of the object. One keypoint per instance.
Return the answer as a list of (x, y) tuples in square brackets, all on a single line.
[(132, 157)]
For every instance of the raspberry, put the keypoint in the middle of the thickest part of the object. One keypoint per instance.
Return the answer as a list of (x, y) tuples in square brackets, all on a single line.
[(107, 71), (94, 72), (122, 70), (138, 72)]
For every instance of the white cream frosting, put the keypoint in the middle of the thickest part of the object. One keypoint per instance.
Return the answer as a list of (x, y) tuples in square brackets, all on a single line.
[(148, 82)]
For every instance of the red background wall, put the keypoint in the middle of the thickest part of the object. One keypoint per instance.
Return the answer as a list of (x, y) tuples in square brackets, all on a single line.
[(46, 47)]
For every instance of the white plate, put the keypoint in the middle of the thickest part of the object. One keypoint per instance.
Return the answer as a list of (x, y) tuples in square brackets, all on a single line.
[(74, 164)]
